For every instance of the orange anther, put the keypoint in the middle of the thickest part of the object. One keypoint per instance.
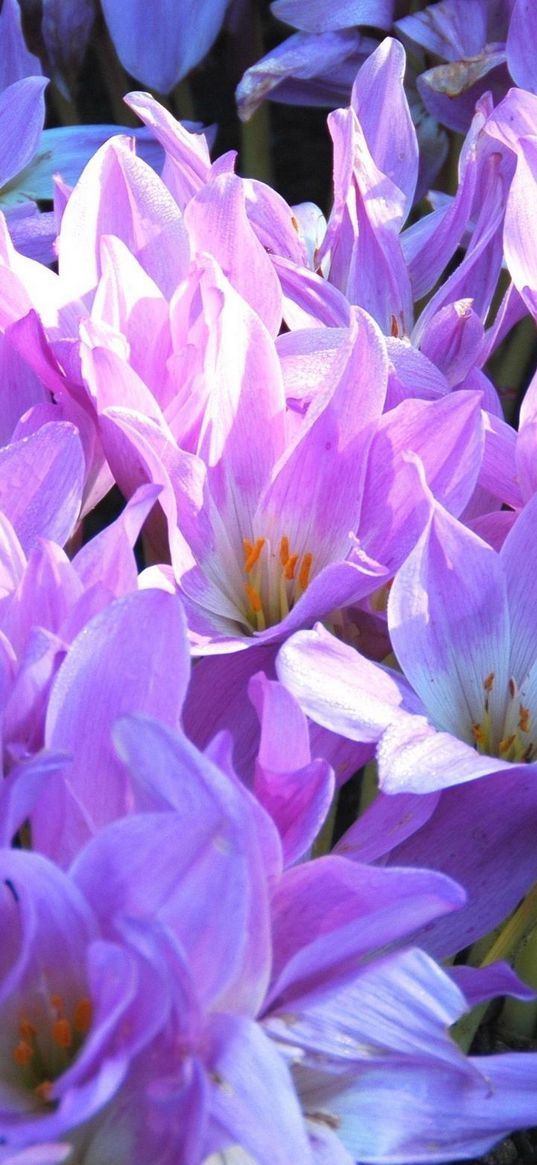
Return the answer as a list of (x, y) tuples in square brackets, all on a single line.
[(505, 745), (252, 553), (27, 1029), (44, 1090), (487, 684), (83, 1015), (23, 1053), (56, 1002), (62, 1033), (253, 597), (304, 573), (284, 550), (524, 718), (289, 568), (478, 733)]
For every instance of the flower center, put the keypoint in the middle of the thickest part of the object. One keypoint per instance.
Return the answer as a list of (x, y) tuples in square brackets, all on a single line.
[(515, 742), (275, 580), (47, 1043)]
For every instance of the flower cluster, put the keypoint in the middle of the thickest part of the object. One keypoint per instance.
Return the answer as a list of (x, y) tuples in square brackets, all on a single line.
[(323, 564)]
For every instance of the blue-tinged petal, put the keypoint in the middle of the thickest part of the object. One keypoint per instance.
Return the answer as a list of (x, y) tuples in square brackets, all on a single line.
[(16, 61), (519, 559), (449, 627), (520, 40), (469, 827), (65, 150), (253, 1102), (414, 757), (22, 113), (314, 65), (159, 44), (331, 913), (317, 16)]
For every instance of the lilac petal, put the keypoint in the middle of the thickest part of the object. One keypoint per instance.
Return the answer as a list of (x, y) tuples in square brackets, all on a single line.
[(108, 559), (118, 194), (520, 249), (156, 47), (518, 559), (328, 457), (449, 625), (316, 17), (309, 301), (378, 99), (453, 340), (329, 913), (447, 30), (521, 35), (21, 789), (385, 824), (41, 479), (187, 160), (22, 113), (475, 820), (113, 667), (253, 1102), (339, 688), (447, 436), (483, 983), (295, 790), (498, 473), (362, 239), (216, 219), (217, 699), (413, 757)]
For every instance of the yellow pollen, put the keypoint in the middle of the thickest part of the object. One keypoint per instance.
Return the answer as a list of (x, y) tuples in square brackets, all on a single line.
[(83, 1016), (23, 1053), (487, 684), (304, 572), (62, 1033), (524, 719), (284, 550), (289, 568), (252, 553)]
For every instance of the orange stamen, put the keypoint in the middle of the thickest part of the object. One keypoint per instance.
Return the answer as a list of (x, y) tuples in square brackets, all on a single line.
[(524, 719), (251, 553), (62, 1033), (487, 684), (83, 1016), (56, 1002), (284, 550), (304, 573), (27, 1030), (253, 597), (44, 1090), (23, 1053), (478, 734), (505, 745), (289, 568)]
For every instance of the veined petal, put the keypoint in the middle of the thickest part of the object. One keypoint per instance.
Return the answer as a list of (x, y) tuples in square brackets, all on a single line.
[(339, 688), (519, 558), (449, 626)]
